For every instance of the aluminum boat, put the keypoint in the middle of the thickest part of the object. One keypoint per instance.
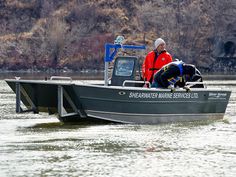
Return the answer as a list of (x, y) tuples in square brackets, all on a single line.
[(121, 99)]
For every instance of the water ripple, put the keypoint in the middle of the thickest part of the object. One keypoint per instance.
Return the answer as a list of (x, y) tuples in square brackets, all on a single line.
[(39, 145)]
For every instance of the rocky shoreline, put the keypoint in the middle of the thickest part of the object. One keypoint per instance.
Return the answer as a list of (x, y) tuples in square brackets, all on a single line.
[(71, 34)]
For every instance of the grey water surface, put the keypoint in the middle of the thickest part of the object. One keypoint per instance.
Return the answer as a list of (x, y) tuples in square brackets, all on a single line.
[(39, 145)]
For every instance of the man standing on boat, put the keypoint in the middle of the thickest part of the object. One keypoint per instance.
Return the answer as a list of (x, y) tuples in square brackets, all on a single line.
[(155, 60)]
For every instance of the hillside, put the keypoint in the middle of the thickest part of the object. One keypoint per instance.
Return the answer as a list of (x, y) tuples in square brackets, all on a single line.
[(70, 34)]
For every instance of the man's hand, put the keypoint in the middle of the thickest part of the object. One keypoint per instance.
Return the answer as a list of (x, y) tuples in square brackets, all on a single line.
[(171, 87), (187, 88)]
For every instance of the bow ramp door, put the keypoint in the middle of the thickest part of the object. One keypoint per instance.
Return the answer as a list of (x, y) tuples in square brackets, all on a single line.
[(126, 69)]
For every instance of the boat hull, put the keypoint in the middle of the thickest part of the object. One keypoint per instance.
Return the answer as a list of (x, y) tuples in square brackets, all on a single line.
[(152, 106), (124, 104), (153, 118)]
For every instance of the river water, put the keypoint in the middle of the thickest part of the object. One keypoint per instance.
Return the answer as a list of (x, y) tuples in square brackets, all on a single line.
[(39, 145)]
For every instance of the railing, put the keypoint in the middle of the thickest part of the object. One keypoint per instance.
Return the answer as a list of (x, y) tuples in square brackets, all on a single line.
[(136, 82), (60, 78)]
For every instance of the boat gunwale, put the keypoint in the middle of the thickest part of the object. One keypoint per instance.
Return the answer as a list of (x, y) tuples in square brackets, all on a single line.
[(83, 84)]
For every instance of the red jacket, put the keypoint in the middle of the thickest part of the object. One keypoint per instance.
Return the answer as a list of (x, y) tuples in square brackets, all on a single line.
[(149, 68)]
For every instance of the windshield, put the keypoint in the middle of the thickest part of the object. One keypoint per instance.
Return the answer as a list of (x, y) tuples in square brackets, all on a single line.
[(124, 67)]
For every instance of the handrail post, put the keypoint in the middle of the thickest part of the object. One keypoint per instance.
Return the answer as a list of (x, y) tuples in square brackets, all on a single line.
[(106, 74), (60, 100), (18, 97)]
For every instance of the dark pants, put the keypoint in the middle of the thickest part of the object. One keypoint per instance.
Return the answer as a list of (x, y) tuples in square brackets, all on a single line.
[(156, 81)]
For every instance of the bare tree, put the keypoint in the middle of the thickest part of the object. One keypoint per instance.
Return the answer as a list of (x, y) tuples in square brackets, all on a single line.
[(56, 37), (46, 8), (146, 18)]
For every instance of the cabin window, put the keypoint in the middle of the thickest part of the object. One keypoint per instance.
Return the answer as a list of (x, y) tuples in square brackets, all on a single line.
[(124, 67)]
